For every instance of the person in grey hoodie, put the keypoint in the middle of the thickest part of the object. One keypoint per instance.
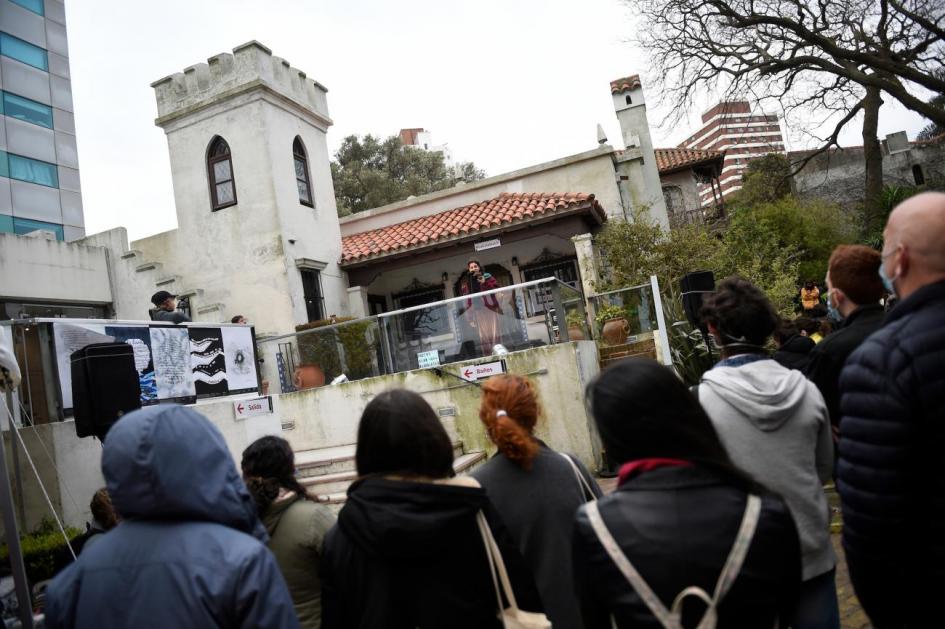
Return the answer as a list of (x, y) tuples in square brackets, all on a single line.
[(775, 426)]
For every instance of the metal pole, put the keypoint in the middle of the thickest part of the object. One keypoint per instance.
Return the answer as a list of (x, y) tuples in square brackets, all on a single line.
[(13, 536), (15, 452)]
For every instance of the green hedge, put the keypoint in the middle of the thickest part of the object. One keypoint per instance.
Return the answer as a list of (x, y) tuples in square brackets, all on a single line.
[(44, 550)]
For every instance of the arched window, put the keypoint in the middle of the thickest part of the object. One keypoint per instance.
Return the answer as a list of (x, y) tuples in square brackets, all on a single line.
[(220, 172), (302, 179)]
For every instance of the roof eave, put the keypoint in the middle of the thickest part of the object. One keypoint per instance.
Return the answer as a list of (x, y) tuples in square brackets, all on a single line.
[(591, 206)]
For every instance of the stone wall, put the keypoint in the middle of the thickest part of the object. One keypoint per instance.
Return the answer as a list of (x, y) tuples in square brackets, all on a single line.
[(839, 175)]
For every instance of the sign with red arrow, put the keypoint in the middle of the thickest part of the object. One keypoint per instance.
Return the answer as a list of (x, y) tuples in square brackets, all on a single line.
[(482, 371), (250, 408)]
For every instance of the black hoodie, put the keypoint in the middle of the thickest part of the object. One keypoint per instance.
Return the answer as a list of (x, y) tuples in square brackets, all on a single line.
[(409, 554)]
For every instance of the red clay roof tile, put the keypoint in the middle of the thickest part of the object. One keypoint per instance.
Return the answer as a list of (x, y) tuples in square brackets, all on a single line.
[(489, 214), (669, 160)]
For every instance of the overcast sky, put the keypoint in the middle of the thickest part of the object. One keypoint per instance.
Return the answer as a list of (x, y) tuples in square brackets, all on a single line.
[(506, 83)]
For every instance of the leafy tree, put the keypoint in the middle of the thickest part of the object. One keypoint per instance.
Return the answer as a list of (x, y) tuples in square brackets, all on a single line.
[(833, 57), (369, 172), (765, 179)]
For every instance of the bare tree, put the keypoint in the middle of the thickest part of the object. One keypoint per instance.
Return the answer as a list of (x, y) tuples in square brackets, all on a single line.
[(835, 57)]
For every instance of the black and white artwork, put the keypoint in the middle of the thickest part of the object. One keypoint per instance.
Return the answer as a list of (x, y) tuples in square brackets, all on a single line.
[(207, 361), (238, 353), (139, 337), (171, 354)]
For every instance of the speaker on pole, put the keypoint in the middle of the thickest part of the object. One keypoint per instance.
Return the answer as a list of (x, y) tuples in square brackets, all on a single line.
[(105, 386), (694, 285)]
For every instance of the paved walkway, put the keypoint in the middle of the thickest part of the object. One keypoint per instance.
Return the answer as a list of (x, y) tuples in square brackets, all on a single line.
[(852, 615)]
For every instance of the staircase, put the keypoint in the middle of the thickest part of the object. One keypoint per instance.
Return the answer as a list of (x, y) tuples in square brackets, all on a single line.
[(327, 472)]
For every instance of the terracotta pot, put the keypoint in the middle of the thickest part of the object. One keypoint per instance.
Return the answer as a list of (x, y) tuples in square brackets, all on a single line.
[(575, 333), (308, 376), (615, 331)]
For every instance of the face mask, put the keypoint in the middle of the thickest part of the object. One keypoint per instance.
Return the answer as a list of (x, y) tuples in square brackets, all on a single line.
[(832, 313), (887, 281)]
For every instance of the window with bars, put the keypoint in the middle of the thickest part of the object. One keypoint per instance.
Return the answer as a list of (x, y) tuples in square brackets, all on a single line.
[(220, 173), (302, 179)]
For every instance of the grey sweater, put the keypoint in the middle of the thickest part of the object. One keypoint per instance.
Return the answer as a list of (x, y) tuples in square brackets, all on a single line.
[(774, 424), (538, 508)]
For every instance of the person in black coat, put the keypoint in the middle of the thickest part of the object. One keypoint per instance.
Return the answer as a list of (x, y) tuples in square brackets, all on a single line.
[(853, 293), (793, 349), (406, 552), (892, 431), (678, 505)]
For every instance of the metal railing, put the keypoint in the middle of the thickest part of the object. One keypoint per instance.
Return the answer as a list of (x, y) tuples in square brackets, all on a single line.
[(530, 314)]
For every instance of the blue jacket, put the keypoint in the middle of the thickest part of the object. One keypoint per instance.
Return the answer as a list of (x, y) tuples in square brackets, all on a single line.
[(890, 474), (189, 551)]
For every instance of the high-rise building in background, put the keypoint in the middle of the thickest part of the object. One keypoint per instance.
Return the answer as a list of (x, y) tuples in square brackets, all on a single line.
[(743, 134), (423, 139), (39, 165)]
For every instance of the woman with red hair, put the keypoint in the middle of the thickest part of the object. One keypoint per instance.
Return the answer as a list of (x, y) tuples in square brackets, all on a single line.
[(536, 491)]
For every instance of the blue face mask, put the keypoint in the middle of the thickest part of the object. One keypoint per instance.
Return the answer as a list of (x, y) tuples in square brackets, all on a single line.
[(833, 314), (887, 281)]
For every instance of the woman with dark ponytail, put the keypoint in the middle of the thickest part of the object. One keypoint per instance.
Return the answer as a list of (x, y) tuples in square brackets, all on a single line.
[(536, 491), (296, 523)]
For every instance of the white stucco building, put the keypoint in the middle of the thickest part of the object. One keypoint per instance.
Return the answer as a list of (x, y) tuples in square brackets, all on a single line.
[(258, 232)]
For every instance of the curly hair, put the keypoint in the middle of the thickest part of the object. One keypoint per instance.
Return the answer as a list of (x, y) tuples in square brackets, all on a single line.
[(741, 313), (269, 465), (509, 411), (102, 509)]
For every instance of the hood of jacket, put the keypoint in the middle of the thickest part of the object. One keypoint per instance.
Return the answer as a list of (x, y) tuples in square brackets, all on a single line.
[(406, 519), (767, 393), (169, 462)]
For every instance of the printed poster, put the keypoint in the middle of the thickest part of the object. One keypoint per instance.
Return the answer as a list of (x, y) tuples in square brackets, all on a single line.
[(67, 338), (139, 337), (239, 359), (207, 362), (171, 351)]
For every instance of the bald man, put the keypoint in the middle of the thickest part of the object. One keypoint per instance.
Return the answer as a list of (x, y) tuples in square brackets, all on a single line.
[(891, 471)]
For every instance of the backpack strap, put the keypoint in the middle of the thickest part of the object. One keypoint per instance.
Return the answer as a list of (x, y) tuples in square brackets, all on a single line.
[(733, 564), (585, 487), (630, 573)]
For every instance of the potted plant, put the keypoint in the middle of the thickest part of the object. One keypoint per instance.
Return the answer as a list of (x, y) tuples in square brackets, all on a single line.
[(613, 324), (320, 360), (575, 321)]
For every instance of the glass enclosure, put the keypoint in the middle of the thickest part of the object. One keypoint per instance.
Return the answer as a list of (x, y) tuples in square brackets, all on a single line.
[(531, 314), (634, 304)]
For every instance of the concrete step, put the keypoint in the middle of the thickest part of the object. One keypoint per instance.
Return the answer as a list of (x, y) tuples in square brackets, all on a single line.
[(335, 460), (332, 489)]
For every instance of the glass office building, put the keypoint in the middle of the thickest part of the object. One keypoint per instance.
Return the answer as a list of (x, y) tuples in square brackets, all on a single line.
[(39, 166)]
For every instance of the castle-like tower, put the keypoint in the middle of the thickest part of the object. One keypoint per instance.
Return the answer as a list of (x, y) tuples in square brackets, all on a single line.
[(258, 231), (638, 175)]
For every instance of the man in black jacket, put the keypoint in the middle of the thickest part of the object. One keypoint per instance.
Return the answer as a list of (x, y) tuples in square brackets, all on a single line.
[(853, 293), (165, 308), (892, 431)]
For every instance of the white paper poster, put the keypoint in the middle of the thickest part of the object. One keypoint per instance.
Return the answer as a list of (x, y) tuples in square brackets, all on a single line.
[(239, 357), (172, 372), (69, 337)]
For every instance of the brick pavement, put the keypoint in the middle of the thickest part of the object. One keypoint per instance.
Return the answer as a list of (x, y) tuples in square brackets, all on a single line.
[(852, 615)]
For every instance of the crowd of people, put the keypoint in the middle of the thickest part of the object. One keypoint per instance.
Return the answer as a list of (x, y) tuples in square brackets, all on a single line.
[(719, 516)]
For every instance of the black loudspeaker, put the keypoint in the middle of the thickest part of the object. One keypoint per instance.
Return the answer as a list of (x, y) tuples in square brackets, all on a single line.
[(694, 285), (105, 386)]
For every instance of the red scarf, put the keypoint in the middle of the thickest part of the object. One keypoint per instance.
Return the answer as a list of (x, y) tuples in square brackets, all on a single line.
[(635, 468)]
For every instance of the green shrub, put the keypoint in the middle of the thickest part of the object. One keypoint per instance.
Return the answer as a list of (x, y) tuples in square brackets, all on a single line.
[(43, 549)]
